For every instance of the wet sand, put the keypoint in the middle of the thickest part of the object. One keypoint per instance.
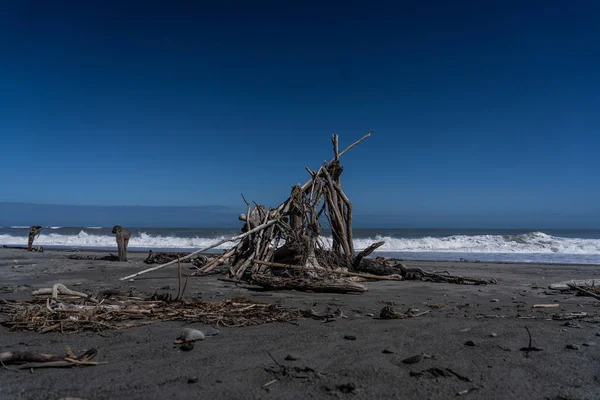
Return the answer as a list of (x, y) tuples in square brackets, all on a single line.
[(144, 363)]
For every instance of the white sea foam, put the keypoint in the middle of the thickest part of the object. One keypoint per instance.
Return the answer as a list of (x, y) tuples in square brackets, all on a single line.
[(93, 227), (19, 227), (531, 243)]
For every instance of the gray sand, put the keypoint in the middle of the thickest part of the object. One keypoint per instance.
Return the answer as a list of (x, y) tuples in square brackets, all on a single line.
[(144, 363)]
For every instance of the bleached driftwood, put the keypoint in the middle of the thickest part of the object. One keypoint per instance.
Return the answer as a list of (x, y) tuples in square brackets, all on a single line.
[(59, 288), (212, 246), (28, 360), (565, 285)]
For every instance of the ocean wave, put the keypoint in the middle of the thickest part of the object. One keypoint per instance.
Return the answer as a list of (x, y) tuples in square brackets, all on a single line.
[(19, 227), (93, 227), (530, 243)]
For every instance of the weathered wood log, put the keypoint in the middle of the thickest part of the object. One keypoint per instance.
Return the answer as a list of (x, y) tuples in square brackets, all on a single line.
[(365, 253), (392, 277), (270, 282), (584, 291), (376, 268)]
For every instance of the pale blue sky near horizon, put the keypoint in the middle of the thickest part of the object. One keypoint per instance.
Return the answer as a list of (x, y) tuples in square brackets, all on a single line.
[(484, 113)]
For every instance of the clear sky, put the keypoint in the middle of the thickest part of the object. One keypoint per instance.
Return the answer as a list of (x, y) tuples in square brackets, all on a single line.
[(484, 112)]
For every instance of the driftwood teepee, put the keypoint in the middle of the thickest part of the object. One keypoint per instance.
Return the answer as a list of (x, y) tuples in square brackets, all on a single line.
[(290, 235)]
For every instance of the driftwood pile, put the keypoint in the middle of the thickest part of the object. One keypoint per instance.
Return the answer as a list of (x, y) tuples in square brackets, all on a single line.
[(67, 315), (283, 247)]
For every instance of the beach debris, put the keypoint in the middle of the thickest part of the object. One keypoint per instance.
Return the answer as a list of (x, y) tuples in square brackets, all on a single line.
[(470, 343), (193, 379), (190, 335), (573, 347), (29, 360), (566, 285), (466, 391), (569, 316), (590, 344), (591, 291), (529, 347), (388, 312), (307, 284), (34, 232), (328, 316), (53, 316), (494, 300), (187, 346), (266, 385), (291, 357), (551, 305), (164, 257), (386, 351), (59, 288), (122, 236), (349, 337), (413, 359), (439, 373), (110, 257)]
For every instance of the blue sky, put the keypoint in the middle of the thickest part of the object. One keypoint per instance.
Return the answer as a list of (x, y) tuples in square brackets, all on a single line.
[(485, 113)]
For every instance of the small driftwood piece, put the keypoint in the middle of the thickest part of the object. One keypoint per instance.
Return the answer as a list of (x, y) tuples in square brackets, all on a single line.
[(270, 282), (365, 253), (59, 288), (27, 360), (388, 312), (212, 246), (585, 292)]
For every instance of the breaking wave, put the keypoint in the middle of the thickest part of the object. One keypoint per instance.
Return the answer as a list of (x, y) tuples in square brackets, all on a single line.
[(530, 243)]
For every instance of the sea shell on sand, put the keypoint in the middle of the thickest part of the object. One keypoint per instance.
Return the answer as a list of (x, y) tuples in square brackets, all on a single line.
[(190, 335)]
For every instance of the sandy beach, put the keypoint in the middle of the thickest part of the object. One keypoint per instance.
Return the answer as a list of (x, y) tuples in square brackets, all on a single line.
[(144, 363)]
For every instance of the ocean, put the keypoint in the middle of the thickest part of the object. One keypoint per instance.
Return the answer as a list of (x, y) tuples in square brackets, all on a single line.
[(555, 246)]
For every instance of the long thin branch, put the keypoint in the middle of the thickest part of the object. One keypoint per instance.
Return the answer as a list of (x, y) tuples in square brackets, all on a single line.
[(212, 246)]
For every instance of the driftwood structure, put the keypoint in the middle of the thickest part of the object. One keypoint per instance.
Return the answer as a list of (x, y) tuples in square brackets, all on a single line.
[(290, 234), (283, 247)]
